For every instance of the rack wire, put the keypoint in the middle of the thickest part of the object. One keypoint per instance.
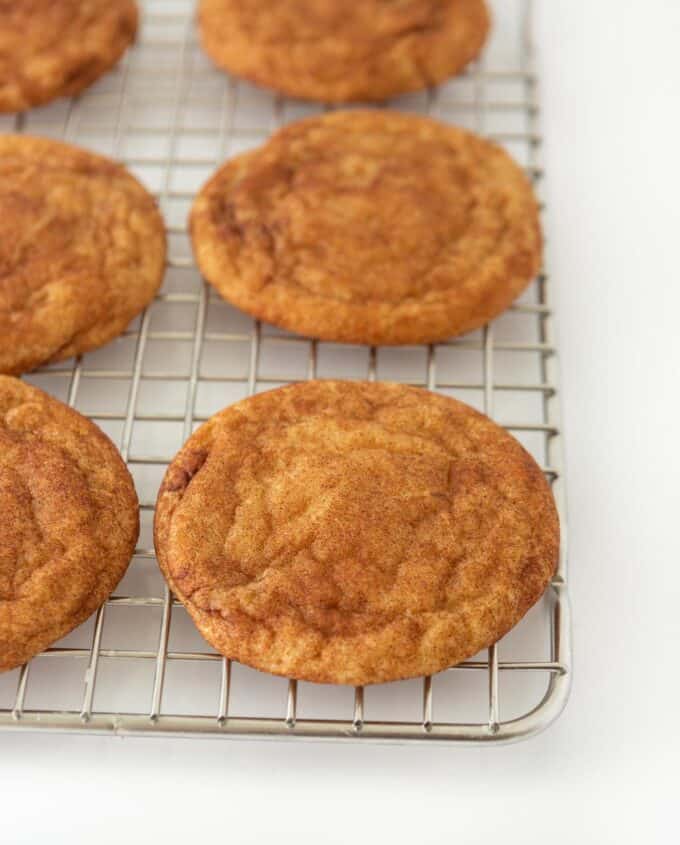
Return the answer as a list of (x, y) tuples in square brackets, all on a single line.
[(138, 666)]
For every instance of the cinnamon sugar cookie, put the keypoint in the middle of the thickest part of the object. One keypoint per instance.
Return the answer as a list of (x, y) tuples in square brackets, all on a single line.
[(56, 48), (369, 227), (349, 532), (82, 251), (336, 51), (69, 520)]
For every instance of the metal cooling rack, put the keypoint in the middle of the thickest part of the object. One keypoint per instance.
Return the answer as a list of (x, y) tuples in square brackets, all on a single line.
[(139, 666)]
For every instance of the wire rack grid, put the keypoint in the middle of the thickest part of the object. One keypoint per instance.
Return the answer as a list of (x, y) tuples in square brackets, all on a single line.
[(138, 666)]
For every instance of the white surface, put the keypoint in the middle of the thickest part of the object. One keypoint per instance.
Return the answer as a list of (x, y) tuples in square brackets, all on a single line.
[(605, 771)]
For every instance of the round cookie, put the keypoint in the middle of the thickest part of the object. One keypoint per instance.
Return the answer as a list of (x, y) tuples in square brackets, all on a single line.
[(332, 51), (369, 227), (354, 533), (69, 520), (82, 251), (56, 48)]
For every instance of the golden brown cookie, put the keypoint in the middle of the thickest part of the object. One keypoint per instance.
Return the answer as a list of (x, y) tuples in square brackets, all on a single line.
[(56, 48), (369, 227), (354, 532), (82, 251), (69, 520), (334, 51)]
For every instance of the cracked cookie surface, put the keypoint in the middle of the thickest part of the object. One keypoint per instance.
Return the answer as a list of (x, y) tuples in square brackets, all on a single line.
[(332, 51), (82, 251), (69, 520), (369, 227), (52, 49), (349, 532)]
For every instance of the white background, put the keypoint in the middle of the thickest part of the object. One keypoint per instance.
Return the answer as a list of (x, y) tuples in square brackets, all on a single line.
[(607, 770)]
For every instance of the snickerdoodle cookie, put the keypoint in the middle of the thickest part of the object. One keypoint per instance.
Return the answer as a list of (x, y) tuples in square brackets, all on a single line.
[(56, 48), (69, 520), (82, 251), (369, 227), (335, 51), (349, 532)]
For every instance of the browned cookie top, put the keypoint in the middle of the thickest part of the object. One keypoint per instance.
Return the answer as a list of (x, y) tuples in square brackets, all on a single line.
[(69, 520), (349, 532), (370, 227), (55, 48), (335, 51), (82, 251)]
